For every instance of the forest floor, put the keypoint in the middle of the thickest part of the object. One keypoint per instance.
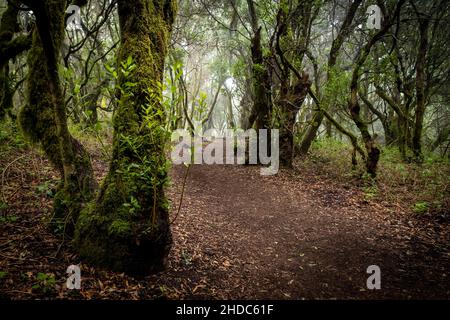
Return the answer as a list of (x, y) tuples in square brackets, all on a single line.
[(239, 235)]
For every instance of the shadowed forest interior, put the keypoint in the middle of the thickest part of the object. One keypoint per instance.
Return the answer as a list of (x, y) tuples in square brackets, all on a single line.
[(353, 95)]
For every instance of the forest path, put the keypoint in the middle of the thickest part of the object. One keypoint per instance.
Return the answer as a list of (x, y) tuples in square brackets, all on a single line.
[(239, 235), (243, 235)]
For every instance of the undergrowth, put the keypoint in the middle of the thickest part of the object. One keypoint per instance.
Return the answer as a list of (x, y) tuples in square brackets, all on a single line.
[(421, 189)]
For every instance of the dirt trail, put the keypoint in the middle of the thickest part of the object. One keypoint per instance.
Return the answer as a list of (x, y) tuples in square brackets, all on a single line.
[(284, 237), (239, 235)]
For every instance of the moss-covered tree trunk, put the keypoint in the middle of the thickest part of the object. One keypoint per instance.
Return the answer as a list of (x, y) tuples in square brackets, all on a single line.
[(291, 101), (294, 84), (261, 85), (43, 119), (127, 227), (9, 48), (373, 152), (260, 116), (424, 22)]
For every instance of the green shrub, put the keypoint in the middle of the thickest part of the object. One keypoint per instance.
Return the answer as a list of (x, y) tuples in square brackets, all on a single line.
[(421, 207), (45, 283)]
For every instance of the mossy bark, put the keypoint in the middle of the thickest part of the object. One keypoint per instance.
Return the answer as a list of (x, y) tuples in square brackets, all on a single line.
[(293, 92), (373, 152), (261, 116), (9, 48), (421, 95), (261, 85), (43, 119), (6, 96), (127, 228), (291, 101)]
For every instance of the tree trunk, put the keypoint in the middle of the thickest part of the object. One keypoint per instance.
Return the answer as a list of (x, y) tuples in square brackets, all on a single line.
[(230, 114), (373, 152), (260, 75), (246, 105), (312, 132), (43, 118), (290, 103), (420, 88), (261, 85), (262, 104), (127, 227), (9, 49)]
